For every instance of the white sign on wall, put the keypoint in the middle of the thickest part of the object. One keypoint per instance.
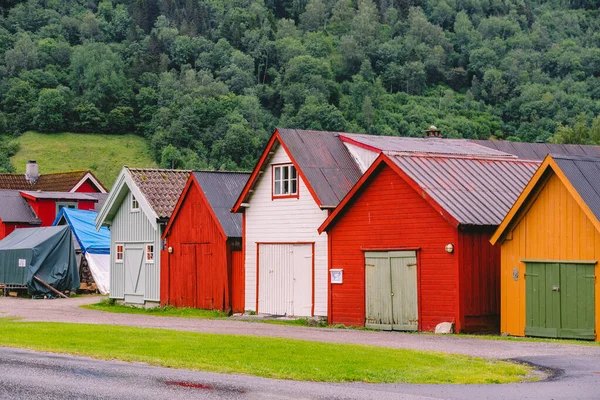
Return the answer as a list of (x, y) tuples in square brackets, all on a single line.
[(22, 262)]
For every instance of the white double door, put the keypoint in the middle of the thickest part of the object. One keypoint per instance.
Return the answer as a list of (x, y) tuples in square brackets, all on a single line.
[(285, 279)]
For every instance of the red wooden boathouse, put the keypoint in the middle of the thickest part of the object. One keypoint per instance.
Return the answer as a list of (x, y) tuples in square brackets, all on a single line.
[(202, 264), (409, 244)]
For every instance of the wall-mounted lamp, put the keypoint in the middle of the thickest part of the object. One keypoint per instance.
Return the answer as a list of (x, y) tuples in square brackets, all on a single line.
[(450, 248), (170, 250)]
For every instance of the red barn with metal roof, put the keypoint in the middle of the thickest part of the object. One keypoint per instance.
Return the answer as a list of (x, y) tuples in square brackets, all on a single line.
[(409, 244), (203, 265)]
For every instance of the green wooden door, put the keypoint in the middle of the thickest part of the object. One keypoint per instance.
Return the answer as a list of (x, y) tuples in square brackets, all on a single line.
[(391, 290), (577, 301), (559, 300), (378, 300)]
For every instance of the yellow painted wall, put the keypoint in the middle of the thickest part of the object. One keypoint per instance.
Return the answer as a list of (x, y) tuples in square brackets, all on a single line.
[(554, 228)]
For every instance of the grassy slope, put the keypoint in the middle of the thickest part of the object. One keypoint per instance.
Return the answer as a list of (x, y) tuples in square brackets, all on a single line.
[(105, 155), (260, 356)]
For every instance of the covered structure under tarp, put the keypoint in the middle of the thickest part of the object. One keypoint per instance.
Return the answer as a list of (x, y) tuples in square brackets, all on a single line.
[(92, 247), (47, 253)]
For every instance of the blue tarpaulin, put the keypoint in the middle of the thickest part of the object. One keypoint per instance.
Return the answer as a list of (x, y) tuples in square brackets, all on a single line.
[(83, 224)]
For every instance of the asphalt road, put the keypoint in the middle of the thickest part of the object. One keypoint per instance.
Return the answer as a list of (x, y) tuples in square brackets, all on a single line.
[(33, 375)]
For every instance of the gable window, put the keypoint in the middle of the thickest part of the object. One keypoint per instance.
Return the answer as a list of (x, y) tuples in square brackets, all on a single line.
[(135, 205), (285, 181), (150, 253), (119, 253), (59, 206)]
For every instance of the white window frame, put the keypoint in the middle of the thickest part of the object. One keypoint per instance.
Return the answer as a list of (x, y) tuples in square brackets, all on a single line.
[(117, 252), (135, 204), (148, 252), (280, 182), (65, 204)]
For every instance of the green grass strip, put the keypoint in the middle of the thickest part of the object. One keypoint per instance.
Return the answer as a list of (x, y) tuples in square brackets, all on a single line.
[(259, 356), (168, 311)]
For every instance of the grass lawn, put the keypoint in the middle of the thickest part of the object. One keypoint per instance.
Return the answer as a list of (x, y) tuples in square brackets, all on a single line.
[(260, 356), (104, 155), (185, 312)]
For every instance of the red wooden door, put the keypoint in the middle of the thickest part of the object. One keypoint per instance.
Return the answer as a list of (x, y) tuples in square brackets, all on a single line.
[(206, 277), (238, 281), (183, 278)]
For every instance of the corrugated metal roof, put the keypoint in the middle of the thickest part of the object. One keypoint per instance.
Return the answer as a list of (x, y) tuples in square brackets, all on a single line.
[(325, 162), (14, 208), (475, 191), (538, 151), (60, 195), (222, 190), (584, 175), (101, 197), (430, 145), (161, 187)]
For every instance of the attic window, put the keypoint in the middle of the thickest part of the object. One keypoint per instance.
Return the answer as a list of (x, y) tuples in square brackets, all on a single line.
[(285, 181), (135, 205)]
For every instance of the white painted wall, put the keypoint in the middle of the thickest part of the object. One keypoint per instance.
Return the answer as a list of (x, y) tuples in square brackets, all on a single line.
[(284, 221), (363, 157)]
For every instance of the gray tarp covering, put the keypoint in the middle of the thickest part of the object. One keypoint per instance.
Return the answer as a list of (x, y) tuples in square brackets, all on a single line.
[(47, 253)]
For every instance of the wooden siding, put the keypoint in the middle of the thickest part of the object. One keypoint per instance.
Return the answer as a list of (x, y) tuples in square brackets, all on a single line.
[(134, 227), (87, 187), (237, 281), (554, 227), (291, 220), (479, 264), (197, 272), (389, 214)]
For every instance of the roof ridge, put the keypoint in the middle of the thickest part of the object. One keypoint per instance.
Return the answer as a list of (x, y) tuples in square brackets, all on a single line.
[(158, 169), (222, 172), (491, 157)]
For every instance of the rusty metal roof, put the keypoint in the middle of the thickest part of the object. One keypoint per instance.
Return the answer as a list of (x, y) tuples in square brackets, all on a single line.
[(474, 191), (584, 175), (429, 145), (222, 190), (538, 151), (325, 162), (160, 187), (14, 208)]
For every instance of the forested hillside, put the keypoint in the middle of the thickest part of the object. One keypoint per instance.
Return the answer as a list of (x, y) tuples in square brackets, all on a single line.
[(207, 81)]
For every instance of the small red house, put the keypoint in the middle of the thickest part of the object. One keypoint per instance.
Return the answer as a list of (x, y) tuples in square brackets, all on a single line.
[(203, 265), (47, 205), (409, 244)]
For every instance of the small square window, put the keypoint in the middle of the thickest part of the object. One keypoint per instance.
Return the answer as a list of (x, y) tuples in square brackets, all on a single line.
[(119, 253), (150, 253), (285, 181), (135, 205)]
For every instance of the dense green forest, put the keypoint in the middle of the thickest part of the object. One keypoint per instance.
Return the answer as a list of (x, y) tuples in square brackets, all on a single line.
[(207, 81)]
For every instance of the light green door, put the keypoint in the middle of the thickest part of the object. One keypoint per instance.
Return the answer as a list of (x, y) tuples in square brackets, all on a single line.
[(560, 300), (391, 290)]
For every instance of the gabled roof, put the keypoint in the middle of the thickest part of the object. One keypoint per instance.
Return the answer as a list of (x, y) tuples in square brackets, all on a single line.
[(55, 182), (220, 190), (323, 162), (465, 190), (538, 151), (156, 190), (422, 145), (15, 209), (581, 177), (82, 224)]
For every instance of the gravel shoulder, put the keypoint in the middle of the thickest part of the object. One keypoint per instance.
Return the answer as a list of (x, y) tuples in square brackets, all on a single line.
[(68, 310)]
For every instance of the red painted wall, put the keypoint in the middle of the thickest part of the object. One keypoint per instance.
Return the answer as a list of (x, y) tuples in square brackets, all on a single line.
[(389, 214), (45, 209), (87, 187), (198, 272), (238, 277), (479, 264)]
